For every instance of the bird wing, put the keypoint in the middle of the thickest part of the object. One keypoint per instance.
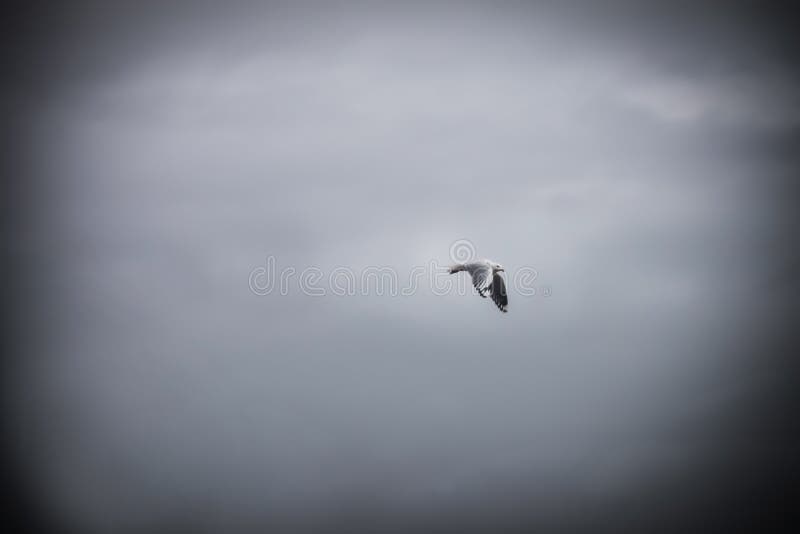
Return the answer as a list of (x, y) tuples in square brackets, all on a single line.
[(481, 278), (499, 295)]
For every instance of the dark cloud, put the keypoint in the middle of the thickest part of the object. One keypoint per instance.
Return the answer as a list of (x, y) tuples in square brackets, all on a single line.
[(640, 158)]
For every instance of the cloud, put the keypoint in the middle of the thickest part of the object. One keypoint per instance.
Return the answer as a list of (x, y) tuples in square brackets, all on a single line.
[(184, 148)]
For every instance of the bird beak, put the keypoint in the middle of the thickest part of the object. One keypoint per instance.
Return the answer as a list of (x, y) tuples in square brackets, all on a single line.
[(501, 269)]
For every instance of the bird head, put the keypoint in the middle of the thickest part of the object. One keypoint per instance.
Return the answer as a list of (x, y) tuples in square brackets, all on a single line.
[(497, 267)]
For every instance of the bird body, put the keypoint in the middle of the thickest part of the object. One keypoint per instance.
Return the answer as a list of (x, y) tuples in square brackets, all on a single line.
[(487, 280)]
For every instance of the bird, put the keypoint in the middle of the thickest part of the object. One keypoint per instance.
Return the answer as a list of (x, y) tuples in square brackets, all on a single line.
[(486, 279)]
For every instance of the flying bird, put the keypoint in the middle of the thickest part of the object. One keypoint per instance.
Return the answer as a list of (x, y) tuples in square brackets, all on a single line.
[(487, 280)]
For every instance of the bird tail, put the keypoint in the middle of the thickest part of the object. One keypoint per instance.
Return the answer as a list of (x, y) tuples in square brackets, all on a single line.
[(456, 268)]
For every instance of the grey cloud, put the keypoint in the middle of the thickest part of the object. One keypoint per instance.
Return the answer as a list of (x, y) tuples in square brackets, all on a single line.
[(184, 145)]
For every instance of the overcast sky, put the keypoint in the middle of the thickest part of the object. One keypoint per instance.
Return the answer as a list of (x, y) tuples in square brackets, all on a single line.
[(641, 159)]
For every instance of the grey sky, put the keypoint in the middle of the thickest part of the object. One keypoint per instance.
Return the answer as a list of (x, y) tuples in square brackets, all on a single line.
[(631, 155)]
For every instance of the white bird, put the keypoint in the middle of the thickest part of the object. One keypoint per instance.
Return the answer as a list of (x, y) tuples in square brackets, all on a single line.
[(486, 279)]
